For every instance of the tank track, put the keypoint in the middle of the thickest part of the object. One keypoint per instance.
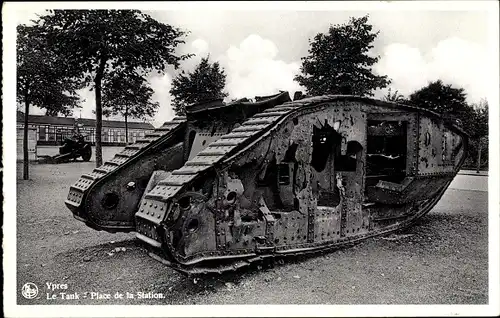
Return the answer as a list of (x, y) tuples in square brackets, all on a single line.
[(79, 190), (426, 207), (151, 220)]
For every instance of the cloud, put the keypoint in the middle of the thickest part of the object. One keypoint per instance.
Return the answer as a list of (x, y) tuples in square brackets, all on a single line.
[(200, 46), (200, 49), (161, 86), (455, 61), (252, 69)]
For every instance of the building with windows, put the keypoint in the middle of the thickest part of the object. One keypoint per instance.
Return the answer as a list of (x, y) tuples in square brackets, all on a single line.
[(53, 130)]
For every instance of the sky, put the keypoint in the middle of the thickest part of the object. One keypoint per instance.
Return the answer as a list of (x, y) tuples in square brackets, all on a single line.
[(261, 49)]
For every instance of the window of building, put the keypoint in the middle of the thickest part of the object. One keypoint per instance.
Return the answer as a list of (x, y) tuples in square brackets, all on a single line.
[(42, 133), (52, 133), (121, 136), (92, 134)]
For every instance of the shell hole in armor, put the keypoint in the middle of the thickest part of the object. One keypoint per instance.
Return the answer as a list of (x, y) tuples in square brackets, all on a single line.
[(193, 225), (185, 202), (283, 174), (349, 161), (110, 200), (231, 197), (143, 183), (323, 140)]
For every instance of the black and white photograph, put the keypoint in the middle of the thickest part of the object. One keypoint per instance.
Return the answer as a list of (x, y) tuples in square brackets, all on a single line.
[(173, 156)]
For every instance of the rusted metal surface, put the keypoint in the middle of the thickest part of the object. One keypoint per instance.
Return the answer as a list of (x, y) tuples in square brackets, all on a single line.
[(282, 177)]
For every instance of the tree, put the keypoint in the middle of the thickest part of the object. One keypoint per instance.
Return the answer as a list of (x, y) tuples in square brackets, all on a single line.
[(42, 80), (128, 97), (97, 42), (206, 82), (482, 116), (394, 97), (339, 61), (446, 100), (479, 145)]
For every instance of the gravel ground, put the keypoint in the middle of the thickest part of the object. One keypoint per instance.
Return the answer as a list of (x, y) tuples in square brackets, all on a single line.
[(441, 260)]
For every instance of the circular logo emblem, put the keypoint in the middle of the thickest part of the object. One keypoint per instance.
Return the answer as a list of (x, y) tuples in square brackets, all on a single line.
[(29, 291)]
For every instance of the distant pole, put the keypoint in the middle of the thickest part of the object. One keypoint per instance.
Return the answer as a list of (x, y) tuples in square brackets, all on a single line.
[(479, 156), (126, 126), (25, 137)]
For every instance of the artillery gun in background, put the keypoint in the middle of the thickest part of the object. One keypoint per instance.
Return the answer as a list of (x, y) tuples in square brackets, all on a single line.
[(71, 149), (233, 184)]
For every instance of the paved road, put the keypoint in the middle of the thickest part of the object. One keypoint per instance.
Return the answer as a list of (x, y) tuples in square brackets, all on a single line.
[(442, 259), (466, 181)]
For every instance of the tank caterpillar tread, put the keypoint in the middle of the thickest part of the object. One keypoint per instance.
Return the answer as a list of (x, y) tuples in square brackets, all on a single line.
[(144, 150), (266, 189), (159, 256)]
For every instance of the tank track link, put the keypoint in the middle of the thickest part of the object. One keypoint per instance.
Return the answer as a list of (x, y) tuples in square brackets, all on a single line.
[(80, 189)]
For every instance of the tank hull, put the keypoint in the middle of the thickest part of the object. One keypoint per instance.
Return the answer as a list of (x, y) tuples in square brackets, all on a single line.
[(294, 178)]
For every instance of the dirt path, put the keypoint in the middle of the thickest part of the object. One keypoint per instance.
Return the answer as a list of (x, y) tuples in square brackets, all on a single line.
[(441, 260)]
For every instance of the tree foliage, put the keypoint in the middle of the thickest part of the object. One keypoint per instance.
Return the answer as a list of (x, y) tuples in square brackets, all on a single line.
[(441, 98), (98, 42), (129, 96), (206, 82), (448, 101), (395, 97), (479, 135), (339, 61), (42, 79)]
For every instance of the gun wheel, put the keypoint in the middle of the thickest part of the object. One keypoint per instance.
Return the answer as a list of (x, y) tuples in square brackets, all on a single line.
[(86, 155)]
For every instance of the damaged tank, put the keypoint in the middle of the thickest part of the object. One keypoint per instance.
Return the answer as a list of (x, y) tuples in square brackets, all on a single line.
[(235, 183)]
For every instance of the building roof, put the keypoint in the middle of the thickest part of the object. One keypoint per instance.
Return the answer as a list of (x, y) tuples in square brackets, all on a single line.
[(69, 121)]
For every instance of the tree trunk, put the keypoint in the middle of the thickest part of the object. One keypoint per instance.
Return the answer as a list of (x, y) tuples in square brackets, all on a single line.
[(98, 112), (126, 126), (479, 156), (98, 123), (25, 138)]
